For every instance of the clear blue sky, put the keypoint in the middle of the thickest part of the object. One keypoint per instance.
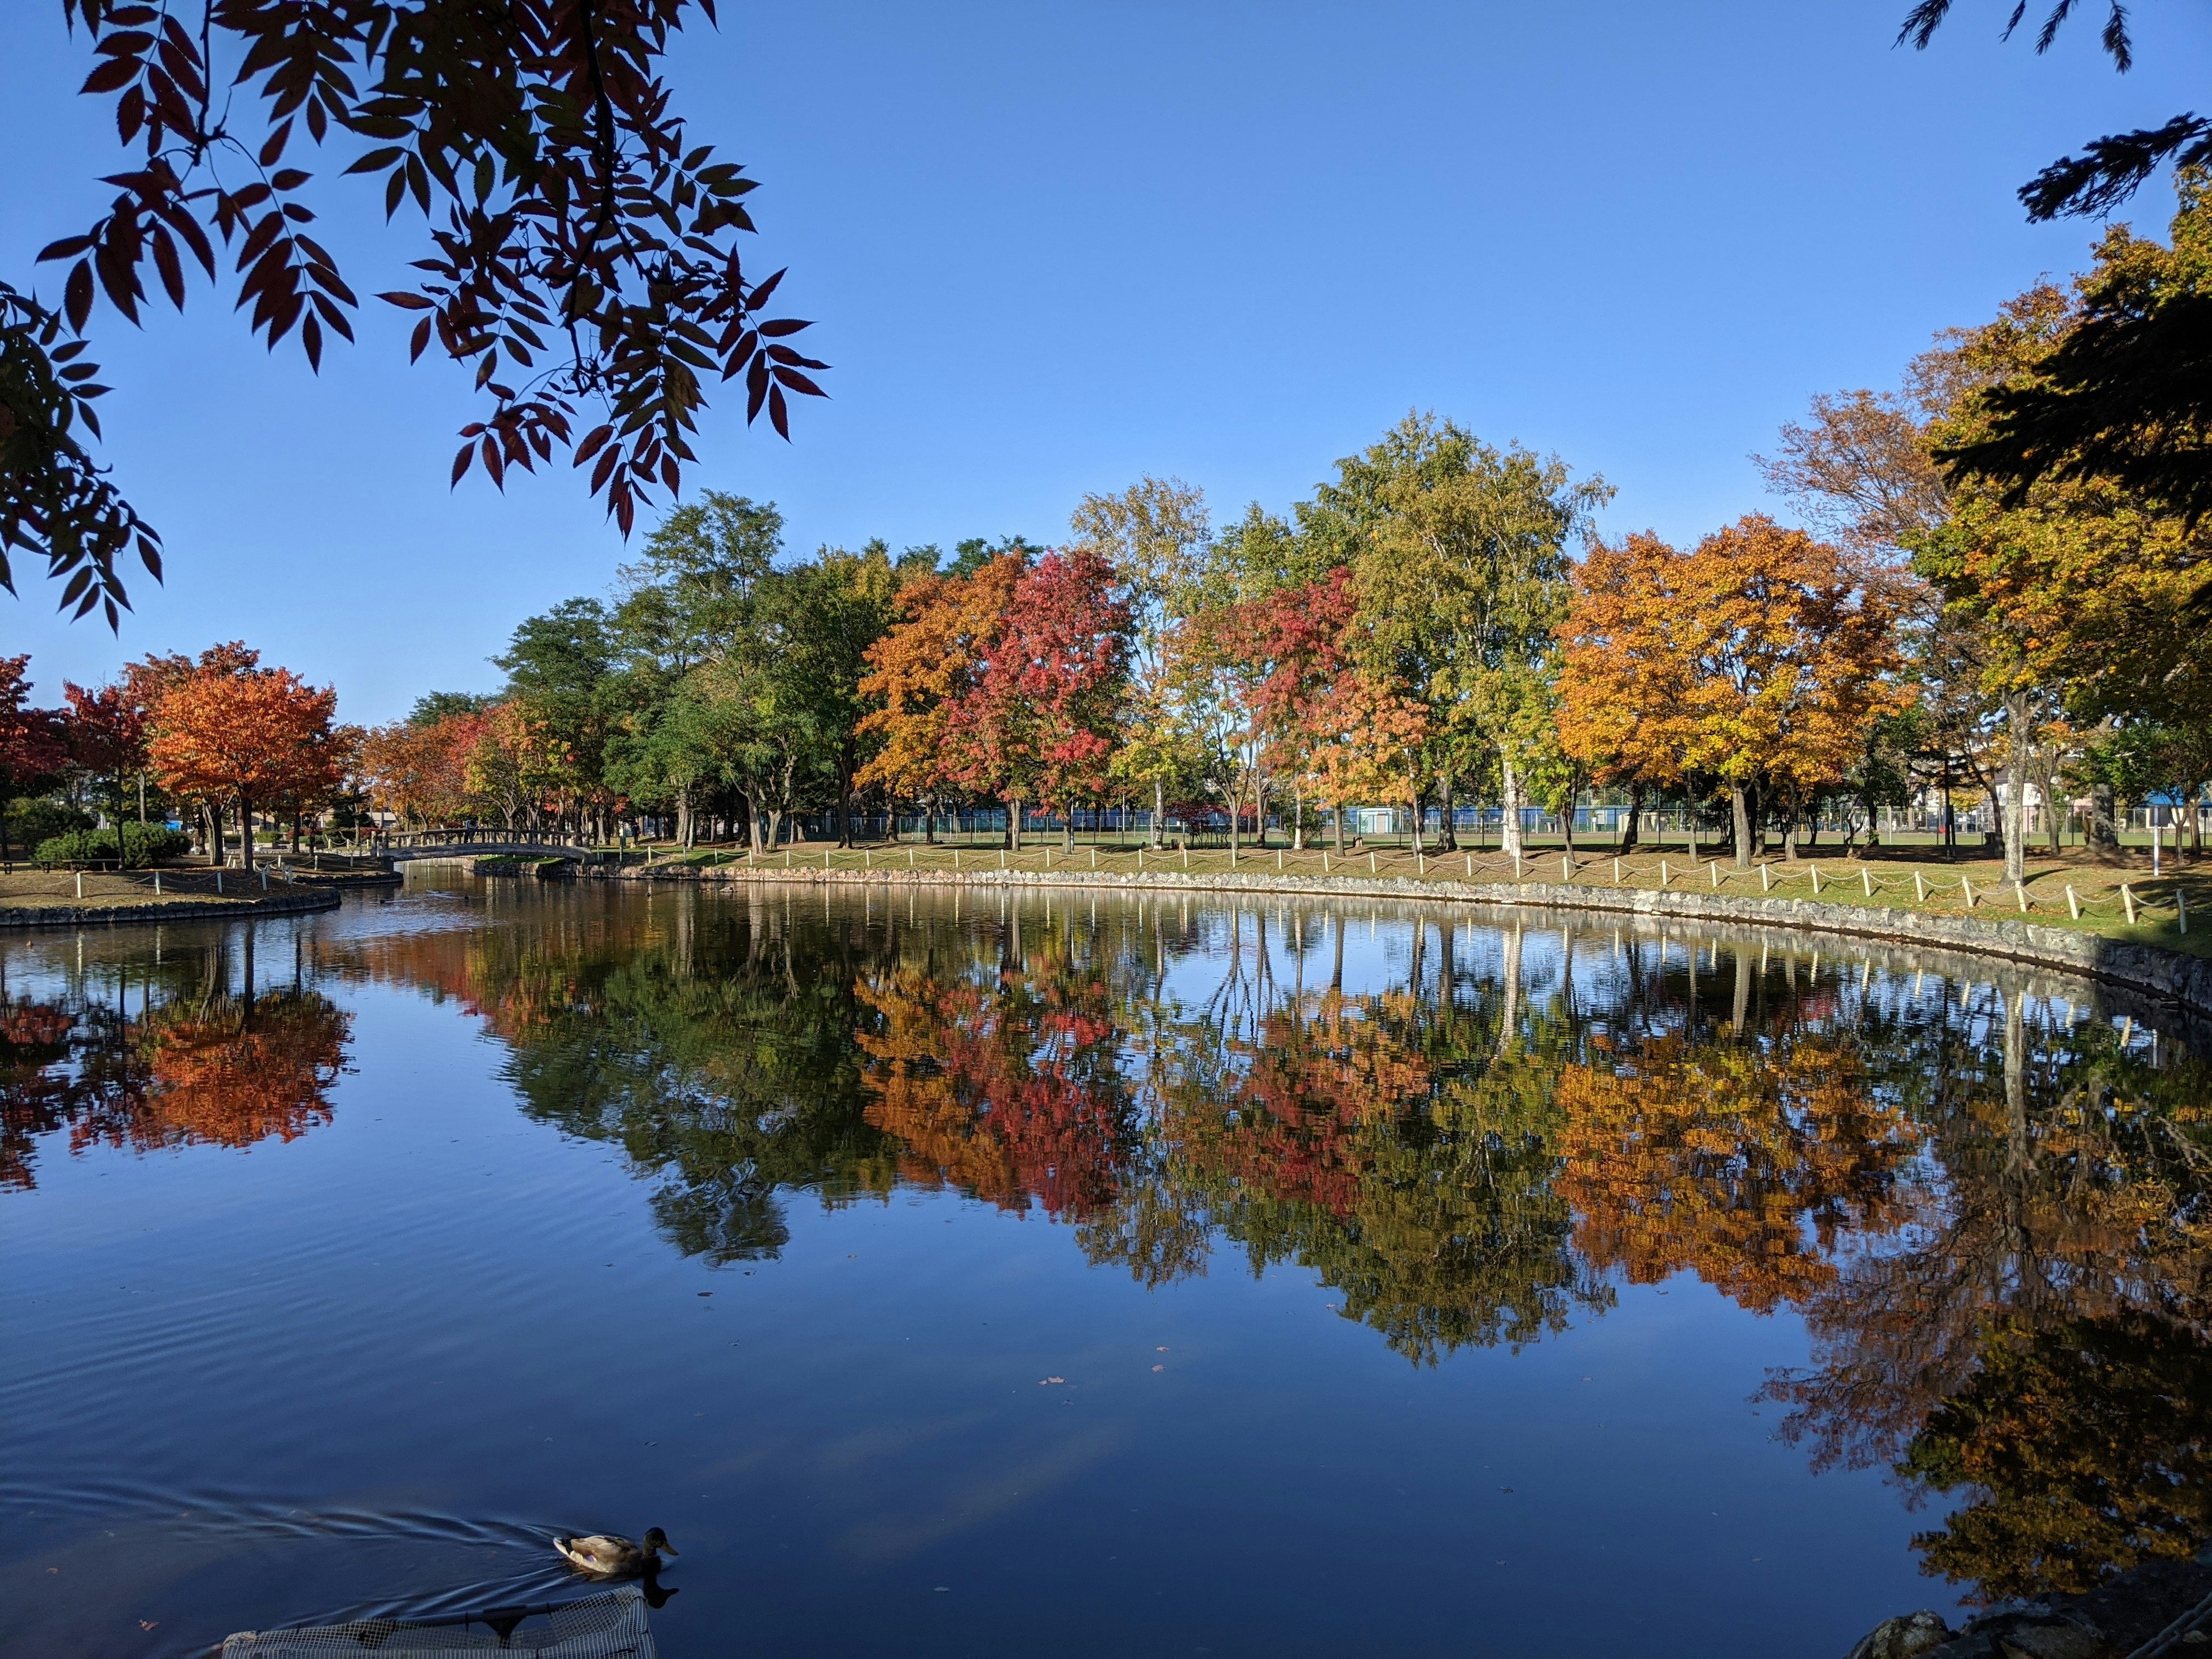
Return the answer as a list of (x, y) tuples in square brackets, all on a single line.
[(1055, 247)]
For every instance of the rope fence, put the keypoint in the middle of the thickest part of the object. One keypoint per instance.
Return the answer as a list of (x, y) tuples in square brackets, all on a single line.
[(2077, 895)]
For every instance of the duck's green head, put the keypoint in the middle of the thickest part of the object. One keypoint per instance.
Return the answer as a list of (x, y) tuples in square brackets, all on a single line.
[(656, 1543)]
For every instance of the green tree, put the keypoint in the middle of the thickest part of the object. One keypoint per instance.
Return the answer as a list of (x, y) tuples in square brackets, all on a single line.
[(559, 668), (1459, 552)]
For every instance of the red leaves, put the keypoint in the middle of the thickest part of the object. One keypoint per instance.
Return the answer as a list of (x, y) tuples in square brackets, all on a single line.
[(578, 215)]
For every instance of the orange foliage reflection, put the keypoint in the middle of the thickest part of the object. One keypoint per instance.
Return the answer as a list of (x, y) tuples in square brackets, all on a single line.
[(1742, 1163)]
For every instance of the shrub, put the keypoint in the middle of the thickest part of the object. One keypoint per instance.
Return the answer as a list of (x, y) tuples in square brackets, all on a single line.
[(146, 844), (35, 819)]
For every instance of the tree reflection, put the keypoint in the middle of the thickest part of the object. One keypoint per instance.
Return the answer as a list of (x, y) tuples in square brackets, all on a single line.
[(210, 1058), (1993, 1219)]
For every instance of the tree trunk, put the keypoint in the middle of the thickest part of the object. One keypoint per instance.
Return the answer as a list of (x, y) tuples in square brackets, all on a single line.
[(1420, 815), (246, 832), (1633, 828), (1336, 817), (2104, 821), (1014, 824), (1740, 825), (1509, 793), (1447, 836), (2017, 718), (1298, 817)]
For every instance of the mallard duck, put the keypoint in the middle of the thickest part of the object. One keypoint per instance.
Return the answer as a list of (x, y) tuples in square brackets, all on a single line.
[(605, 1556)]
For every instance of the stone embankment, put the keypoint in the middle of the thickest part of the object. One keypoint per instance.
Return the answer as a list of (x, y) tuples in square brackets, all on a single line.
[(2150, 1612), (296, 900), (2167, 974)]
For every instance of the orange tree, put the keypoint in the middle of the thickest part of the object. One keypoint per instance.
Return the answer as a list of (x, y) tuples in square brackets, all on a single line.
[(264, 735), (919, 670), (1624, 698), (1363, 742), (1758, 660), (152, 679)]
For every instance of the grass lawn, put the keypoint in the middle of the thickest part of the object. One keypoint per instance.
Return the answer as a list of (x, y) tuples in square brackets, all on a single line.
[(42, 889)]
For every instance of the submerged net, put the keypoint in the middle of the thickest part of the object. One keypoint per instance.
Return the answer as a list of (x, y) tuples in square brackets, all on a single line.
[(609, 1626)]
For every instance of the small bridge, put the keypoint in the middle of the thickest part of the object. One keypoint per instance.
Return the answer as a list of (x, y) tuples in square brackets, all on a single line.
[(477, 843)]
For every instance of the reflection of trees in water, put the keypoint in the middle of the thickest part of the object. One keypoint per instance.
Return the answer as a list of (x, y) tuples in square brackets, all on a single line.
[(2060, 1248), (1980, 1214), (210, 1058)]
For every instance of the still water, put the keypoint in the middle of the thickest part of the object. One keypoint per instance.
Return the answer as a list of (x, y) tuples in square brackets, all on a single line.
[(982, 1276)]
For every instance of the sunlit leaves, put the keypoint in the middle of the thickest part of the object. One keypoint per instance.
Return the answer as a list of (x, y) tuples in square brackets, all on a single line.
[(586, 273)]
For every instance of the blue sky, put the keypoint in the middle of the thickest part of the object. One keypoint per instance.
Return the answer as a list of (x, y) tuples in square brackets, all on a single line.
[(1052, 247)]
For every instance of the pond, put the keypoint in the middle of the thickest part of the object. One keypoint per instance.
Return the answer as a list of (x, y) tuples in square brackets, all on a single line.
[(949, 1272)]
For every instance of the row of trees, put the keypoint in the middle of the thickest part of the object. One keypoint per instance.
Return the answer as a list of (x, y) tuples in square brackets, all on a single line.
[(215, 736), (1420, 634)]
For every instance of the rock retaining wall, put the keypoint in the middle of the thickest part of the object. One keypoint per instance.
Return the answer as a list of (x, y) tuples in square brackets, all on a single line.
[(87, 915), (2167, 974)]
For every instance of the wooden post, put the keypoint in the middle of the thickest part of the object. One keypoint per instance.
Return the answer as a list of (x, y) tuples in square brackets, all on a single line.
[(1371, 861), (1663, 873), (1815, 869), (2073, 904), (1866, 880), (2128, 898), (1919, 888), (1766, 879), (1567, 869), (2020, 892), (2180, 908), (1714, 871), (1966, 888)]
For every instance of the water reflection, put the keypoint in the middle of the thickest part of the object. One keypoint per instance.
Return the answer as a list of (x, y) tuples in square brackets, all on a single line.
[(207, 1056), (1987, 1204)]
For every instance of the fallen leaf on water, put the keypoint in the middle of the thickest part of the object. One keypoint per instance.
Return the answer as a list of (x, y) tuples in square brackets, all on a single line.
[(1163, 1348), (705, 1292), (1159, 1368), (148, 1624), (1050, 1379)]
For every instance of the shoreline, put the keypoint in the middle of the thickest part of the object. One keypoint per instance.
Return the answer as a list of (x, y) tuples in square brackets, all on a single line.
[(2148, 968), (307, 902)]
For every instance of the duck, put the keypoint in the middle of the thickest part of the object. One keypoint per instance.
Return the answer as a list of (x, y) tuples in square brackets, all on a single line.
[(603, 1555)]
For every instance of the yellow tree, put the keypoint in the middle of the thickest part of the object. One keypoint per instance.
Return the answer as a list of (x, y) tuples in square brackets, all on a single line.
[(1757, 661)]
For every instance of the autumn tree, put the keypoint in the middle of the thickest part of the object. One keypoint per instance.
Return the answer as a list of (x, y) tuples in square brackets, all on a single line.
[(106, 730), (1758, 660), (588, 271), (419, 769), (2088, 589), (1038, 724), (1158, 537), (263, 735), (32, 747), (2123, 399), (150, 681), (929, 662)]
